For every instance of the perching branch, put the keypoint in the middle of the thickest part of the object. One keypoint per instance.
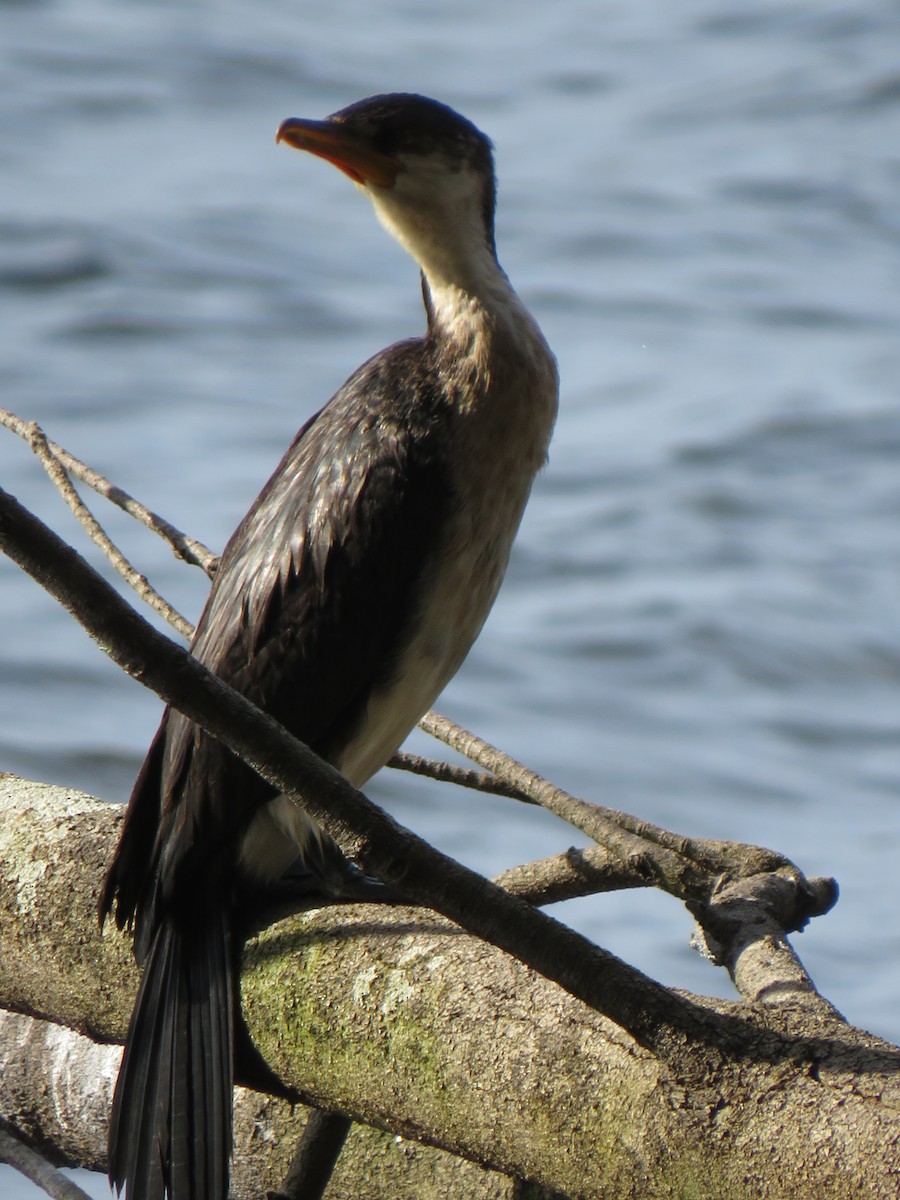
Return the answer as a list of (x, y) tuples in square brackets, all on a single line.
[(687, 869), (400, 1020), (640, 853), (634, 854), (744, 906), (655, 1017)]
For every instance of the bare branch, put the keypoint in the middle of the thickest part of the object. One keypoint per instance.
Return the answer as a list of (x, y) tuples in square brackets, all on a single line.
[(310, 1172), (98, 535), (655, 1017), (444, 772), (744, 898), (742, 928), (184, 547), (686, 867), (641, 853), (394, 1016), (567, 876), (36, 1168)]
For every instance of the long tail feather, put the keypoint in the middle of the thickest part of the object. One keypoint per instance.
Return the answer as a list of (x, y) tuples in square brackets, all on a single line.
[(170, 1132)]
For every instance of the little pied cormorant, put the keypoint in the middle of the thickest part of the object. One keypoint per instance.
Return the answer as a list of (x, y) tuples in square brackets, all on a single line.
[(345, 600)]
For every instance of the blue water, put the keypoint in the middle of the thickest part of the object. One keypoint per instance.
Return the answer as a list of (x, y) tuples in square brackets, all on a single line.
[(699, 203)]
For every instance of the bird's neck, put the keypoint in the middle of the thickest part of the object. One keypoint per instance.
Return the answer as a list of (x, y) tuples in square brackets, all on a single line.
[(483, 334), (459, 311), (456, 255)]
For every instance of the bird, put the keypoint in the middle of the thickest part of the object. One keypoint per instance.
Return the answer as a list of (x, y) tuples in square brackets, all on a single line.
[(345, 600)]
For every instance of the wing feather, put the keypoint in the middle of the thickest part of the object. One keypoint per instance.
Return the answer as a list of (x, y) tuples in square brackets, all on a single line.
[(310, 610)]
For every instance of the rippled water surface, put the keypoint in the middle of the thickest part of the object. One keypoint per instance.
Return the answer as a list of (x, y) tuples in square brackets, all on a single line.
[(699, 203)]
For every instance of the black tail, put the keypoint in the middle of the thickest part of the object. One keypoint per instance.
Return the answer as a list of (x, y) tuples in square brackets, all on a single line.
[(170, 1132)]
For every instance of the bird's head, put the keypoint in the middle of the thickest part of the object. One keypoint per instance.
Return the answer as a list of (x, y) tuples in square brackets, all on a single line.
[(428, 171)]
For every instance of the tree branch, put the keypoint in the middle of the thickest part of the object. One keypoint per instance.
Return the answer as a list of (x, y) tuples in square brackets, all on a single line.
[(40, 1060), (33, 1166), (655, 1017), (98, 535), (398, 1019), (186, 548), (444, 772), (567, 876), (691, 870), (688, 868)]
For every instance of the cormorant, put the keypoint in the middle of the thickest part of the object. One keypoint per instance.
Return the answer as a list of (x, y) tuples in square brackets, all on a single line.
[(345, 600)]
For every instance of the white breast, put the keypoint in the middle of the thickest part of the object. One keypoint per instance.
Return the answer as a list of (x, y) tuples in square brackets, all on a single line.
[(501, 438)]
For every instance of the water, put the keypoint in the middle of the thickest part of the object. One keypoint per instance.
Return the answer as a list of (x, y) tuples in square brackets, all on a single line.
[(698, 202)]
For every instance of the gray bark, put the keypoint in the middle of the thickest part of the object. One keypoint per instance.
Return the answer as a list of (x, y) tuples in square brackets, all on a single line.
[(410, 1025)]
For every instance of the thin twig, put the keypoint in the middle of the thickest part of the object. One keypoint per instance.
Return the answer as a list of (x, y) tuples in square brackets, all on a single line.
[(685, 867), (445, 772), (33, 1166), (187, 548), (37, 439), (568, 876), (744, 898)]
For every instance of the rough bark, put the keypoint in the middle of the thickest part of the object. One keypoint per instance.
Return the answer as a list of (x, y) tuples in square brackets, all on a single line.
[(404, 1022), (56, 1088)]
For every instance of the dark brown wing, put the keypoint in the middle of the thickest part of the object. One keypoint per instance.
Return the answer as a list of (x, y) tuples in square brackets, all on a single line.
[(309, 611)]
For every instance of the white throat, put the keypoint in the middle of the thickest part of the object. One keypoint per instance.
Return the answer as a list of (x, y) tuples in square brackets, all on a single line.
[(437, 215)]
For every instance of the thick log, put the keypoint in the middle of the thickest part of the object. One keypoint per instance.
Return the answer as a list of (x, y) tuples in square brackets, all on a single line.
[(402, 1021)]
